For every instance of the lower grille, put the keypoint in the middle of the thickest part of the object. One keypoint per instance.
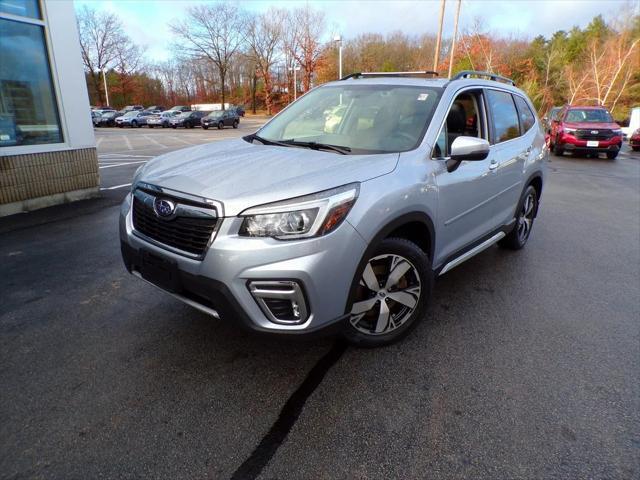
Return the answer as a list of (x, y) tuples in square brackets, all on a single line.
[(189, 229), (588, 135)]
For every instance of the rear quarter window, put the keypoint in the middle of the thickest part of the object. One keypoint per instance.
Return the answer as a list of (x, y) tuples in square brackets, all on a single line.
[(527, 118), (504, 116)]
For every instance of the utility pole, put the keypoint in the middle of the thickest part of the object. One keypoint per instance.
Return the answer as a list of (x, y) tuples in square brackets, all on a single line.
[(453, 40), (436, 56), (106, 91)]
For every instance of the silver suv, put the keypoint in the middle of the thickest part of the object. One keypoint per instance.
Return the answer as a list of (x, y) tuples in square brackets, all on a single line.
[(342, 209)]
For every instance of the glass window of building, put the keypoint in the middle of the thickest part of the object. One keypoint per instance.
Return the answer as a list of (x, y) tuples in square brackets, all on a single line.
[(28, 107)]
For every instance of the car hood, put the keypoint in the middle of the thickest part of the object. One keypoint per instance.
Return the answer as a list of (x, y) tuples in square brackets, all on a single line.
[(592, 125), (241, 174)]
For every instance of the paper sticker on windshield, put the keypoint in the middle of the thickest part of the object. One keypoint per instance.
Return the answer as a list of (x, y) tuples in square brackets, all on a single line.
[(422, 97)]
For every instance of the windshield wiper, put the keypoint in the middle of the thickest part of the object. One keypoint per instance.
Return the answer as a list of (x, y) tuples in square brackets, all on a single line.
[(318, 146), (264, 141)]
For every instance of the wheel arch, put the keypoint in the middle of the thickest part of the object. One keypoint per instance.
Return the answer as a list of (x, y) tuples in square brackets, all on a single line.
[(535, 180), (410, 226)]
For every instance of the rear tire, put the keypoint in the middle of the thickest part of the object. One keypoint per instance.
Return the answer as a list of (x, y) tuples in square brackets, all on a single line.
[(612, 155), (527, 209), (392, 293), (235, 123), (134, 124)]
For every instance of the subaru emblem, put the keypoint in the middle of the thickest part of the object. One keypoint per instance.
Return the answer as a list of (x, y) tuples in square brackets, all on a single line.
[(594, 132), (164, 208)]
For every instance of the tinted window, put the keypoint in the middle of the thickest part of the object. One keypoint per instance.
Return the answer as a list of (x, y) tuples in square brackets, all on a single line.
[(28, 108), (503, 116), (594, 115), (527, 118), (22, 8)]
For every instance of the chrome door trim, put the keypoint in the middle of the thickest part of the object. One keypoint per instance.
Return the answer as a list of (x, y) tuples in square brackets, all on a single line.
[(474, 251)]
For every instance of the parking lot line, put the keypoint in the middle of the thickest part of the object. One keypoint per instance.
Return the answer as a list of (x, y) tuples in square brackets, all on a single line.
[(126, 140), (111, 165), (181, 140), (115, 187), (154, 141)]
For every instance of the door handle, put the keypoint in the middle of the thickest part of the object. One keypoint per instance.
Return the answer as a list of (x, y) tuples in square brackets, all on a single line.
[(493, 165)]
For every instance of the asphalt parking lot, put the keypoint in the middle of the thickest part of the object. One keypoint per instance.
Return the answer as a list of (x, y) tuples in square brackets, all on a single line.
[(526, 367)]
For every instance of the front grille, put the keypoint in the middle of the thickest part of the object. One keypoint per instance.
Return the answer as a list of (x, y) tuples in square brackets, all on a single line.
[(587, 135), (189, 230)]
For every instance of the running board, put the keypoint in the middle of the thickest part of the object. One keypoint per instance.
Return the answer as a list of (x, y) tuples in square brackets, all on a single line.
[(474, 251)]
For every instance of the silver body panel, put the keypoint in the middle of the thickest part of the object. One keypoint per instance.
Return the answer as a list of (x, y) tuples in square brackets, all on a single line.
[(465, 206)]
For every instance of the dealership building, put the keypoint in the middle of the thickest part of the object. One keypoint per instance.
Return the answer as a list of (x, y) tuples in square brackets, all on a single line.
[(47, 146)]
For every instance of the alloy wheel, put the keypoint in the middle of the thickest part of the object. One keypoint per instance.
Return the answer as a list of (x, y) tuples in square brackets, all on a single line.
[(525, 219), (388, 293)]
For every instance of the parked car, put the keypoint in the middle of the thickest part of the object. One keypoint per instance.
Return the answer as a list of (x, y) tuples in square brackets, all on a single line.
[(634, 140), (155, 108), (221, 119), (551, 115), (130, 108), (238, 109), (161, 119), (634, 122), (187, 119), (181, 108), (585, 130), (293, 230), (107, 119), (133, 118)]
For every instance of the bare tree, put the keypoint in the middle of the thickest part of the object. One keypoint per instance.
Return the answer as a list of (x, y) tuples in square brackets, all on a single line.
[(264, 36), (310, 26), (100, 33), (214, 32)]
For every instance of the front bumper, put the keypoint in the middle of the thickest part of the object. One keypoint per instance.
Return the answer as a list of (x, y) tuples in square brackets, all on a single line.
[(218, 284), (571, 143)]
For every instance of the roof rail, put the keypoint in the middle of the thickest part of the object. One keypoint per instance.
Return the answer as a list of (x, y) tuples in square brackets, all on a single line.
[(419, 73), (489, 75)]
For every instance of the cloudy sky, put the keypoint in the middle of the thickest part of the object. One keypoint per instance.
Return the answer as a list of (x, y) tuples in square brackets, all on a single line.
[(146, 20)]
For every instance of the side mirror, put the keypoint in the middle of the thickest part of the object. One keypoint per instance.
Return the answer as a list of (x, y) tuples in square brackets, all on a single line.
[(469, 148)]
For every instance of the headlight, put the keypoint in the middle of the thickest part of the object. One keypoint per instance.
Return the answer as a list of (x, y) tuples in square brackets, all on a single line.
[(302, 217), (569, 130)]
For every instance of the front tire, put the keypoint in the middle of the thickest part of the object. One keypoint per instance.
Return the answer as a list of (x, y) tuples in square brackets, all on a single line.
[(558, 150), (527, 209), (612, 155), (235, 124), (220, 125), (391, 294), (134, 124)]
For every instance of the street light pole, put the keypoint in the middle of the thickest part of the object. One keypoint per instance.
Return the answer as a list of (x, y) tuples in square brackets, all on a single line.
[(338, 40), (106, 91), (295, 82)]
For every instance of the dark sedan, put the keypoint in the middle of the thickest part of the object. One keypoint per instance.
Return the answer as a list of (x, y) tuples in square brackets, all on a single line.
[(187, 119), (221, 119), (107, 119)]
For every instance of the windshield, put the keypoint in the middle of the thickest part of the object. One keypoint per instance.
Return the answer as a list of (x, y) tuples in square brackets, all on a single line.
[(131, 114), (362, 118), (591, 115), (215, 114)]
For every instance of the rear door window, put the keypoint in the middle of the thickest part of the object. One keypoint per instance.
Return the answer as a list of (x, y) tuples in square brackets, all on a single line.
[(504, 116), (527, 118)]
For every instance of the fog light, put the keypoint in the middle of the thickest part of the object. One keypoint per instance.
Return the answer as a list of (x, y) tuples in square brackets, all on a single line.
[(282, 301)]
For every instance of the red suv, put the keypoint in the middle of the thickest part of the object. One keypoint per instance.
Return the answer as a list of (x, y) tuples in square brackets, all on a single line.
[(634, 141), (585, 130)]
